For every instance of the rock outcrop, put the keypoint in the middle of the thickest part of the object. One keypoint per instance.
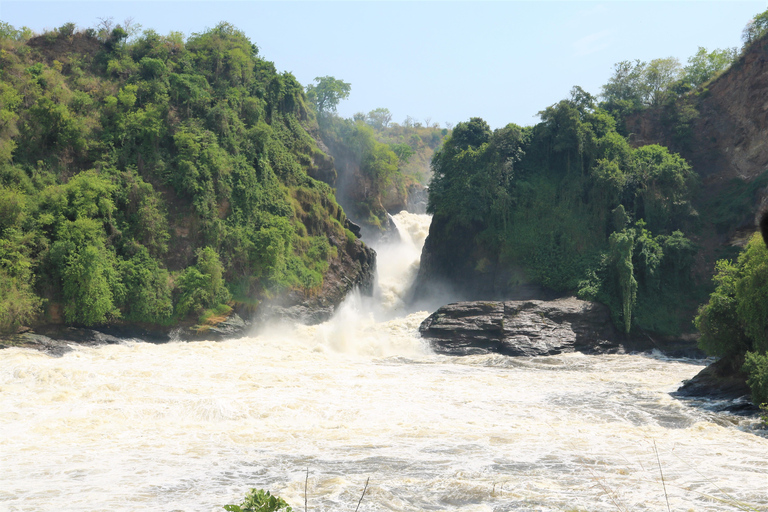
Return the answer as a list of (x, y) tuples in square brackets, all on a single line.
[(722, 380), (355, 268), (57, 340), (522, 328), (449, 268), (723, 385), (727, 137)]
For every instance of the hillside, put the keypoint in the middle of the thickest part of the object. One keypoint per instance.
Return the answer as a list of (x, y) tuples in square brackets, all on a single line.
[(161, 180), (722, 135), (382, 167)]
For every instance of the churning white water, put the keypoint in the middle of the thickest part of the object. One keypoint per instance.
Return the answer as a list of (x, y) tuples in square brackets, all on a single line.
[(193, 426), (398, 263)]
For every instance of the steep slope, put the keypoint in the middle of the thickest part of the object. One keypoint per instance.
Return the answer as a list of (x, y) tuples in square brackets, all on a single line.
[(721, 130), (725, 139), (160, 181), (570, 206)]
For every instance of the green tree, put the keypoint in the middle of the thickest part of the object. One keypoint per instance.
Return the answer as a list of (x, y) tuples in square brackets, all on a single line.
[(8, 31), (752, 293), (755, 28), (705, 65), (756, 367), (403, 151), (663, 183), (722, 333), (147, 288), (626, 89), (660, 75), (379, 118), (634, 85), (89, 283), (18, 302), (733, 322), (202, 285), (327, 94)]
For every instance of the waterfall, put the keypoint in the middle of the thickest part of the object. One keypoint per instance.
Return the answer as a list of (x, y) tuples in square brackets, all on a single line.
[(398, 262)]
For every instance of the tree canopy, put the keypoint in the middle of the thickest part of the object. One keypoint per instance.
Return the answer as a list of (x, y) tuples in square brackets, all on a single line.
[(573, 206), (147, 178), (327, 93)]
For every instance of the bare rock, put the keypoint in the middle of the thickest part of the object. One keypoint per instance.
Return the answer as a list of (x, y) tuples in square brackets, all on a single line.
[(522, 328)]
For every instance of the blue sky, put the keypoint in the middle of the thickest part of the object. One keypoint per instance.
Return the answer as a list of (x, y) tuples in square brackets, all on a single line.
[(444, 61)]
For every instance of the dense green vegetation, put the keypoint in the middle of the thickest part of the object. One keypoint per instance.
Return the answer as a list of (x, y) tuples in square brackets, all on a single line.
[(733, 324), (577, 208), (382, 159), (151, 178), (258, 500)]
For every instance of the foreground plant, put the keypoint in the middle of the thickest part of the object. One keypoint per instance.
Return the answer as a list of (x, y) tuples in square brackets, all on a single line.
[(259, 500)]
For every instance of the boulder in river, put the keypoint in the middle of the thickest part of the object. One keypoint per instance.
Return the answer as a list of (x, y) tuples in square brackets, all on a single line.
[(723, 385), (522, 328)]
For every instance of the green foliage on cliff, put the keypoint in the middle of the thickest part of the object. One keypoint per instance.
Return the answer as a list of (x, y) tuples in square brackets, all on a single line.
[(733, 323), (756, 28), (579, 210), (664, 85), (146, 179), (379, 159)]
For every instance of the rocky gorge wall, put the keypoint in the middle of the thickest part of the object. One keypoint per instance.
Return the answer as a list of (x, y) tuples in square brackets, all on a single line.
[(727, 139), (449, 269)]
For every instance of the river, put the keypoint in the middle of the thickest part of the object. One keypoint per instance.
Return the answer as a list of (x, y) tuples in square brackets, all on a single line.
[(193, 426)]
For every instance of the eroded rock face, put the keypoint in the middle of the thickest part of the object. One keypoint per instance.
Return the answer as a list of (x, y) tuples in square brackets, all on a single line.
[(449, 267), (727, 137), (355, 268), (522, 328)]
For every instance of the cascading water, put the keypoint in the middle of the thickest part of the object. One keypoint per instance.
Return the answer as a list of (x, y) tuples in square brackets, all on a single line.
[(398, 263), (193, 426)]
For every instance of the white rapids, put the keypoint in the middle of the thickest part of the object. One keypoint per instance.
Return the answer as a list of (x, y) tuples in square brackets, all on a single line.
[(193, 426)]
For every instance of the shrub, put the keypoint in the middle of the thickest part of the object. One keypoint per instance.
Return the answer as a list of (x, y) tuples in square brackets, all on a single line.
[(756, 367), (733, 322), (202, 285), (259, 501)]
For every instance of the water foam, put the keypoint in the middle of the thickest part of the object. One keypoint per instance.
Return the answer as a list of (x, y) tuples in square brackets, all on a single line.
[(193, 426), (398, 263)]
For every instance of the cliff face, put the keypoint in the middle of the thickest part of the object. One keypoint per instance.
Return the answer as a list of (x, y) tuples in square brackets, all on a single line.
[(726, 143), (535, 218), (450, 270), (728, 138)]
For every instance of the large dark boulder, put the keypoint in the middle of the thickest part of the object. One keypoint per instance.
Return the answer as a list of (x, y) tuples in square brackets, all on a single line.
[(722, 384), (522, 328)]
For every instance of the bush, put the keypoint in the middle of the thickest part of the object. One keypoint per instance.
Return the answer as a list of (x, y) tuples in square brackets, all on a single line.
[(147, 286), (756, 367), (18, 304), (202, 285), (259, 501)]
